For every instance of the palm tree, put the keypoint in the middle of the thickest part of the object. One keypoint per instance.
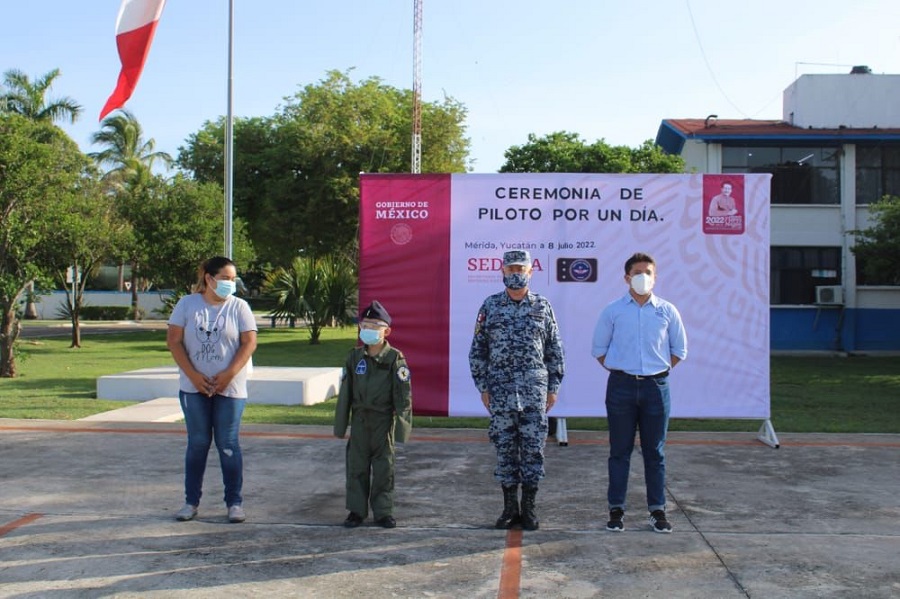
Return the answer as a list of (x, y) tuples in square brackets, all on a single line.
[(317, 291), (129, 157), (29, 98), (130, 161)]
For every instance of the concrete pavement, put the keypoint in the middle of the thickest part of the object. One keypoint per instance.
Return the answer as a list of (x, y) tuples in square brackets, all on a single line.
[(86, 510), (161, 409)]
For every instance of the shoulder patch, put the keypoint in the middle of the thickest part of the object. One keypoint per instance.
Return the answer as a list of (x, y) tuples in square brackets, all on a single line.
[(403, 374), (479, 321)]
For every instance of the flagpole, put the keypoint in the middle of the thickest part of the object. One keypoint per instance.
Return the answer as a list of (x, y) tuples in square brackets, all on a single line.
[(229, 135)]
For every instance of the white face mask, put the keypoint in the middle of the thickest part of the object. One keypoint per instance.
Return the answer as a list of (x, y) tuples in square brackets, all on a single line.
[(225, 288), (642, 283)]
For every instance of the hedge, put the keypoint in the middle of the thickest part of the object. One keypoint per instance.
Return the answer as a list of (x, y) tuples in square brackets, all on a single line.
[(108, 313)]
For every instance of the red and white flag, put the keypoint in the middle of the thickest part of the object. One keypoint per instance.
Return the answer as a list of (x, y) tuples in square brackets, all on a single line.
[(134, 32)]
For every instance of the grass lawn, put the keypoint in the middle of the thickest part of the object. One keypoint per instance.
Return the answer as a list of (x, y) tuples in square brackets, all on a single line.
[(809, 394)]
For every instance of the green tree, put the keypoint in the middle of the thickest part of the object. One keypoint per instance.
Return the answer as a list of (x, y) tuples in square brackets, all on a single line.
[(564, 152), (318, 291), (88, 231), (296, 173), (176, 225), (878, 247), (129, 160), (29, 98), (42, 177)]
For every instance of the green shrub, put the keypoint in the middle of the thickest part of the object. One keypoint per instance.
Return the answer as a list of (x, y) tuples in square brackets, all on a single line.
[(107, 312)]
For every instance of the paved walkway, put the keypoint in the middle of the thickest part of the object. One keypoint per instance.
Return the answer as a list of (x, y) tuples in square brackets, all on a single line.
[(161, 409), (87, 511)]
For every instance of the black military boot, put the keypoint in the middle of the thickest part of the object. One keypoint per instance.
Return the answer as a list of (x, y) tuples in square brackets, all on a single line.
[(510, 516), (529, 518)]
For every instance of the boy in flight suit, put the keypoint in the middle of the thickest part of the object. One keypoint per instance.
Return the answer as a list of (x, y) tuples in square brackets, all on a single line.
[(376, 401)]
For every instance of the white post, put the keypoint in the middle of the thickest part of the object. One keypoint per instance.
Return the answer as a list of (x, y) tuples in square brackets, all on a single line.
[(562, 433), (229, 135)]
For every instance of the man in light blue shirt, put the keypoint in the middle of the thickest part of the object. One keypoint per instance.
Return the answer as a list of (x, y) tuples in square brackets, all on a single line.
[(638, 338)]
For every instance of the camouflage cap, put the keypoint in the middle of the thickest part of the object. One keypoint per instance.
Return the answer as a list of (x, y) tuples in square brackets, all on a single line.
[(517, 257), (375, 311)]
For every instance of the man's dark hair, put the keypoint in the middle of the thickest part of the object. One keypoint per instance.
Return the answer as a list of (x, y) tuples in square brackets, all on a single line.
[(638, 257)]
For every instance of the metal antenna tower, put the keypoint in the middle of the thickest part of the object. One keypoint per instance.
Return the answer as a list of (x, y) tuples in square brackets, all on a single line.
[(416, 162)]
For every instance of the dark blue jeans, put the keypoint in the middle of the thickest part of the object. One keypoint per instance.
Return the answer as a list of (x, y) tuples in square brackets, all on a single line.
[(637, 405), (207, 418)]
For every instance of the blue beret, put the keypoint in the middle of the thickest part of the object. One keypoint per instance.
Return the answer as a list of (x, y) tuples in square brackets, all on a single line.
[(376, 311)]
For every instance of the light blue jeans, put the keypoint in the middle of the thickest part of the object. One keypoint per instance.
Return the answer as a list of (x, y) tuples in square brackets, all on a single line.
[(207, 418), (637, 405)]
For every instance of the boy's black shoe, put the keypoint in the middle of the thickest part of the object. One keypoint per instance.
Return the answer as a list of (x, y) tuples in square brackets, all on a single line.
[(659, 523), (386, 522), (353, 520), (616, 520)]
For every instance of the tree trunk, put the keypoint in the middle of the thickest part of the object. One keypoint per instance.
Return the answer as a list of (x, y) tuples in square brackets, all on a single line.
[(9, 332), (31, 312), (76, 330), (314, 332)]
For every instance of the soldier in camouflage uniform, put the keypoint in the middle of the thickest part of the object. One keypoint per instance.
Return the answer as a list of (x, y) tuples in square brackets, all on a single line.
[(516, 361), (375, 399)]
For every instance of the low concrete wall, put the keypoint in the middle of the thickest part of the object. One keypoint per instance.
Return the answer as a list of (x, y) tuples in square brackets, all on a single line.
[(267, 385), (49, 305)]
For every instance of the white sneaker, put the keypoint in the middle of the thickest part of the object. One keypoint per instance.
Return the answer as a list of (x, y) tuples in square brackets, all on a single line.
[(236, 514), (188, 512)]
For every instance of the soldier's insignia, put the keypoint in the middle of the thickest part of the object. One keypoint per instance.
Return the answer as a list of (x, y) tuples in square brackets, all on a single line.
[(403, 374), (361, 367)]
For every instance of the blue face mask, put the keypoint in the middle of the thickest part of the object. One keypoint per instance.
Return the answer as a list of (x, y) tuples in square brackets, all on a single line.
[(516, 280), (370, 336), (225, 288)]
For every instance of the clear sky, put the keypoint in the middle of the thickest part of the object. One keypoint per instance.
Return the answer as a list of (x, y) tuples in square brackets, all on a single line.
[(601, 68)]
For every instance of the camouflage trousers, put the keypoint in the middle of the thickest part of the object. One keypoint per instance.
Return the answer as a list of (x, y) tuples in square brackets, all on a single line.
[(519, 438)]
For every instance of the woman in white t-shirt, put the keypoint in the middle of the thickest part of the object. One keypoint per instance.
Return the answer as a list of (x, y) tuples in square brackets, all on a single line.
[(212, 336)]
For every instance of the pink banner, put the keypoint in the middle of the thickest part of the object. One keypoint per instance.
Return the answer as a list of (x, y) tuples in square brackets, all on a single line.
[(404, 256)]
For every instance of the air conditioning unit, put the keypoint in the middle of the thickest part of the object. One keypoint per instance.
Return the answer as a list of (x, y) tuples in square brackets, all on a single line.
[(829, 295)]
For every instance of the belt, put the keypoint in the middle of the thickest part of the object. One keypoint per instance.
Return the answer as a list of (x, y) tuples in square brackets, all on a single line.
[(640, 377)]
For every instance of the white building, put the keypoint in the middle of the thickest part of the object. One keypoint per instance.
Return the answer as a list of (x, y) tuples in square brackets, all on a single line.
[(836, 150)]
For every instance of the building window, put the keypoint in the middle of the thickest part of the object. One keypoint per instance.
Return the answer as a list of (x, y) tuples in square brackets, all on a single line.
[(806, 175), (797, 271), (877, 173)]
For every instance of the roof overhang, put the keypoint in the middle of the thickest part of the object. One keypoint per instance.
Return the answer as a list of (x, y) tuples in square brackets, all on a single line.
[(673, 133)]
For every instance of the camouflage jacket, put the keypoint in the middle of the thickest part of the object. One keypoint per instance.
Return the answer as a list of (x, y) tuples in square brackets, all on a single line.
[(516, 343)]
